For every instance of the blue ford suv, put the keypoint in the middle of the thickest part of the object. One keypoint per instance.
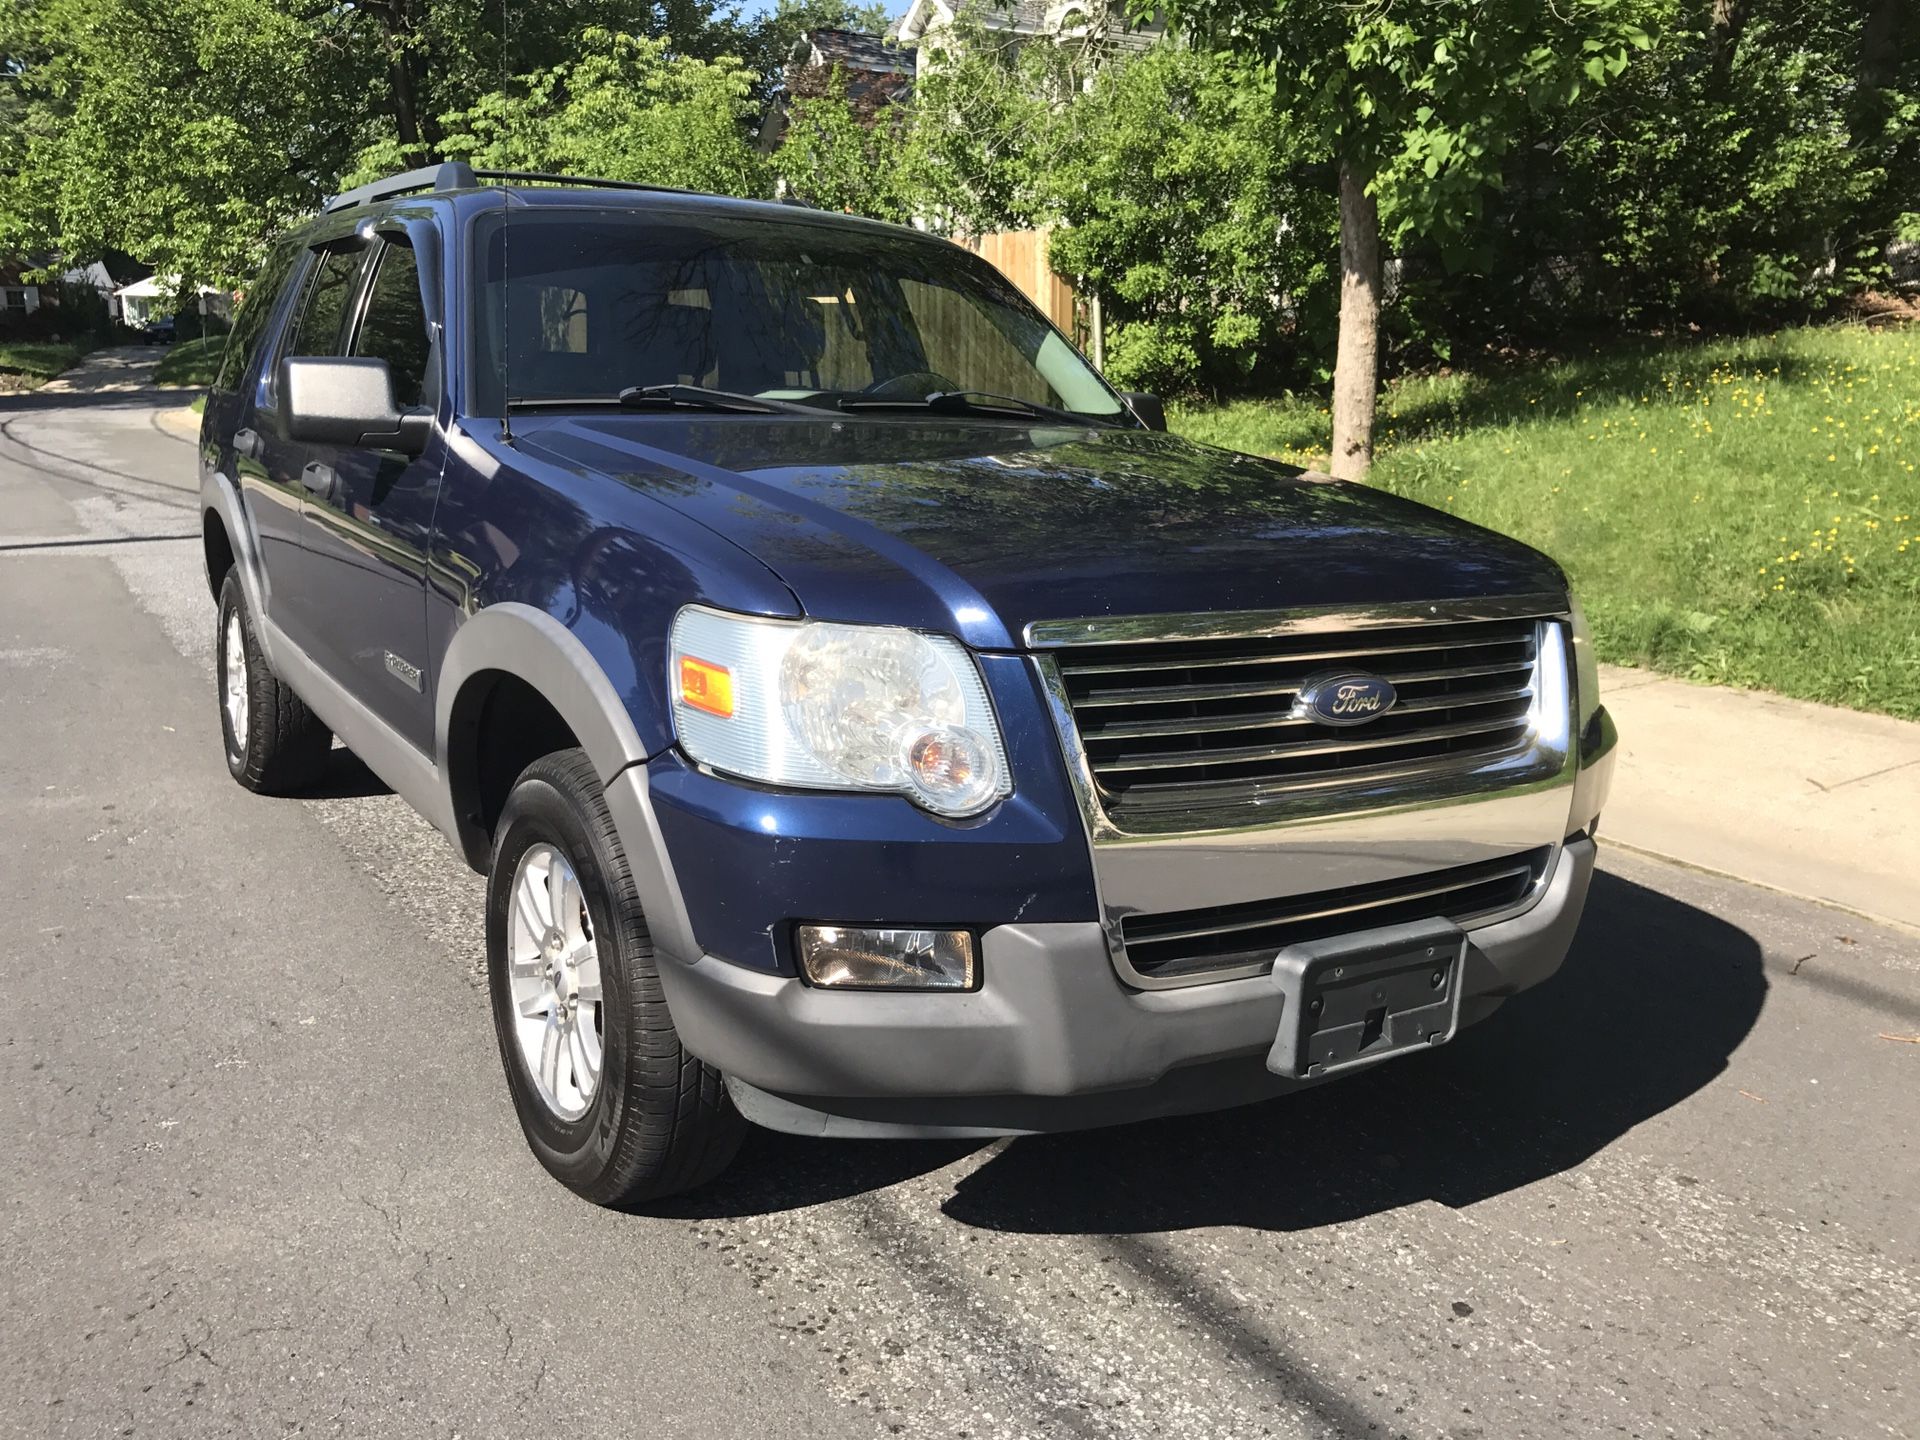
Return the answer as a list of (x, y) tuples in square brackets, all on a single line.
[(869, 723)]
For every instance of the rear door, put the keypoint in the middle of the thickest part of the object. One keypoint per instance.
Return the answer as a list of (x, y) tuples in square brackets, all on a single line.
[(369, 512)]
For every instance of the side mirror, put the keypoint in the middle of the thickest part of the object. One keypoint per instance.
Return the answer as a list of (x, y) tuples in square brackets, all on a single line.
[(1149, 409), (333, 401)]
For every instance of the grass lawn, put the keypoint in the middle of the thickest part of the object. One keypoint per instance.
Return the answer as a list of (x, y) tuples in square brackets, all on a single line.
[(191, 362), (1743, 511), (37, 361)]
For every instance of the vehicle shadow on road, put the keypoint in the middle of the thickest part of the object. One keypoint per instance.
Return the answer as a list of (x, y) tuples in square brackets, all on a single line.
[(1653, 999), (1649, 1006), (346, 778)]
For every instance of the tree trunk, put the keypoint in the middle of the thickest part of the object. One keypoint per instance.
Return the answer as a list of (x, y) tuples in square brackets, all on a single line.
[(1880, 44), (1724, 27), (406, 119), (1356, 366)]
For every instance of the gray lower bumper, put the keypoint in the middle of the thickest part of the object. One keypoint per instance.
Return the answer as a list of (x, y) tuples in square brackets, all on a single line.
[(1051, 1041)]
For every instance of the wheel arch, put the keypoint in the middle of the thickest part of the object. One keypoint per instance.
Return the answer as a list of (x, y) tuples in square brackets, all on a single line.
[(227, 540), (514, 654)]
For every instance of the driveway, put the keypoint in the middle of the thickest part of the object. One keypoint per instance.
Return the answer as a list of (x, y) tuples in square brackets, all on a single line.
[(261, 1175)]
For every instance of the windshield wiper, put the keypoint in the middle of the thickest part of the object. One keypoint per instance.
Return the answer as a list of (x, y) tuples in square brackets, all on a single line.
[(699, 397), (969, 402)]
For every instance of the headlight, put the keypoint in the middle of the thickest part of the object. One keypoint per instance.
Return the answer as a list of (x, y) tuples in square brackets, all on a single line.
[(1586, 669), (837, 707)]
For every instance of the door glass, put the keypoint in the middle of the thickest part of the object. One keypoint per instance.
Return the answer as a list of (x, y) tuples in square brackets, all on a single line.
[(250, 325), (395, 328), (318, 330)]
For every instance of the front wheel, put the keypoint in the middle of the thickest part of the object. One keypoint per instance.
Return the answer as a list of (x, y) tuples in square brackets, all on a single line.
[(610, 1102)]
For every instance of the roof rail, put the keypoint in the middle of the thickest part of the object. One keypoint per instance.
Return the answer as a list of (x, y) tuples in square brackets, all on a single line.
[(450, 175), (534, 177), (458, 175)]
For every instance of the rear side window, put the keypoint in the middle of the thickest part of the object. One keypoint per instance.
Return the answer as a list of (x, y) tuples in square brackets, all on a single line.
[(395, 327), (250, 325), (323, 313)]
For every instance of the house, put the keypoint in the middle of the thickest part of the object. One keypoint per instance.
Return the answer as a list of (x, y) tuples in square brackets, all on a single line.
[(17, 295), (145, 301), (876, 73), (1102, 25), (95, 276)]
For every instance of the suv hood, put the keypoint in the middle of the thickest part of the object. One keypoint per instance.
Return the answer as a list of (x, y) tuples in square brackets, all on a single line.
[(976, 528)]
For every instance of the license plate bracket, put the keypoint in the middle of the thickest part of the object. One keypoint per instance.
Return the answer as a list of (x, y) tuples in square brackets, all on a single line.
[(1354, 1000)]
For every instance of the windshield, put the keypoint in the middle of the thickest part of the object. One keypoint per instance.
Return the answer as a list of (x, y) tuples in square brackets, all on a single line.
[(603, 301)]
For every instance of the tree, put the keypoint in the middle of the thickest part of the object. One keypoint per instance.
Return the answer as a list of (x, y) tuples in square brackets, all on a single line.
[(626, 108), (1420, 106), (187, 131), (840, 153), (985, 120), (1722, 173), (182, 131), (1177, 184)]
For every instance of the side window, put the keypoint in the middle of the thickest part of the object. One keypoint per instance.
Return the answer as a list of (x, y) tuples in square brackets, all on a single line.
[(324, 310), (395, 327), (250, 325)]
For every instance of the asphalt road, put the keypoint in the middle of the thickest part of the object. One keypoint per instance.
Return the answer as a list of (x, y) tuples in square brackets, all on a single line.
[(259, 1175)]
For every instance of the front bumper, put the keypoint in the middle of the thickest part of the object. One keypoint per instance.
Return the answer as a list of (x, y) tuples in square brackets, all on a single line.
[(1053, 1040)]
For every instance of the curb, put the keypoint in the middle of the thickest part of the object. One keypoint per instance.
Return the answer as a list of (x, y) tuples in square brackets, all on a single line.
[(1613, 842), (181, 422)]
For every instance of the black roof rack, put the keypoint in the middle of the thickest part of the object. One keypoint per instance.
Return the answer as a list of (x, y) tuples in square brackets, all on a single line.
[(458, 175), (452, 175)]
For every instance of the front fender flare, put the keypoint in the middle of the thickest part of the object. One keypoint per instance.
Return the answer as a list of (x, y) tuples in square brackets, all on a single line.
[(516, 639)]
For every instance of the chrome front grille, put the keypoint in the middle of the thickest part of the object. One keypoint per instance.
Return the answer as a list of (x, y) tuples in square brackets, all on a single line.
[(1221, 941), (1197, 725)]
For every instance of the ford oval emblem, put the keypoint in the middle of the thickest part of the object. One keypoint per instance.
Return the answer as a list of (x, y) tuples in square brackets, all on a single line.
[(1346, 699)]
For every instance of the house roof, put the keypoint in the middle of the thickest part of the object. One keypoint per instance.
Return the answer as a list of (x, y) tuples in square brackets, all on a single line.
[(851, 50), (873, 70)]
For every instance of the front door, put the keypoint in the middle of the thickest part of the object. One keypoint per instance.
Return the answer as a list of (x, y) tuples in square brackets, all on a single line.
[(369, 515), (273, 469)]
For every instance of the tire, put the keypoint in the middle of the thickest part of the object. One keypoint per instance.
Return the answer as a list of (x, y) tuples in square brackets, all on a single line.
[(274, 744), (654, 1121)]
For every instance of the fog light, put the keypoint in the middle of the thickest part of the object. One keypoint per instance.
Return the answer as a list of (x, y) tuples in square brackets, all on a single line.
[(848, 959)]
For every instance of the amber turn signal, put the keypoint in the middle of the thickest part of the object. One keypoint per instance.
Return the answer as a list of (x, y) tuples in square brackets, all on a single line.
[(706, 686)]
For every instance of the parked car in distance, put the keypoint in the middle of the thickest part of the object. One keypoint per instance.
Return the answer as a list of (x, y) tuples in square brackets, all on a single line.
[(867, 723), (159, 332)]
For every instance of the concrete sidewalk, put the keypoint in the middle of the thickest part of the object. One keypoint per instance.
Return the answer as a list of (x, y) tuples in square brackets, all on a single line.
[(1808, 799)]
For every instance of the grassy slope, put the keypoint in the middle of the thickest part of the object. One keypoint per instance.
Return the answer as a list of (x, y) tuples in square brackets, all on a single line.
[(1745, 511), (38, 360), (191, 362)]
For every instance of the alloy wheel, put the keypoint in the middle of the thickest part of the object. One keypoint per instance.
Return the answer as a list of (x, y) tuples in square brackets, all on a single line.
[(554, 971), (234, 681)]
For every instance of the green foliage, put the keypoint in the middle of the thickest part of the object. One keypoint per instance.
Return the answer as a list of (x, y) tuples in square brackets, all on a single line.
[(1708, 183), (184, 132), (187, 132), (1742, 511), (839, 155), (980, 147), (1177, 182), (627, 108), (1426, 101)]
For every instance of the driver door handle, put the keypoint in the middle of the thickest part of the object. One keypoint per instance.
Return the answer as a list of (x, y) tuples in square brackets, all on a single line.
[(319, 478)]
